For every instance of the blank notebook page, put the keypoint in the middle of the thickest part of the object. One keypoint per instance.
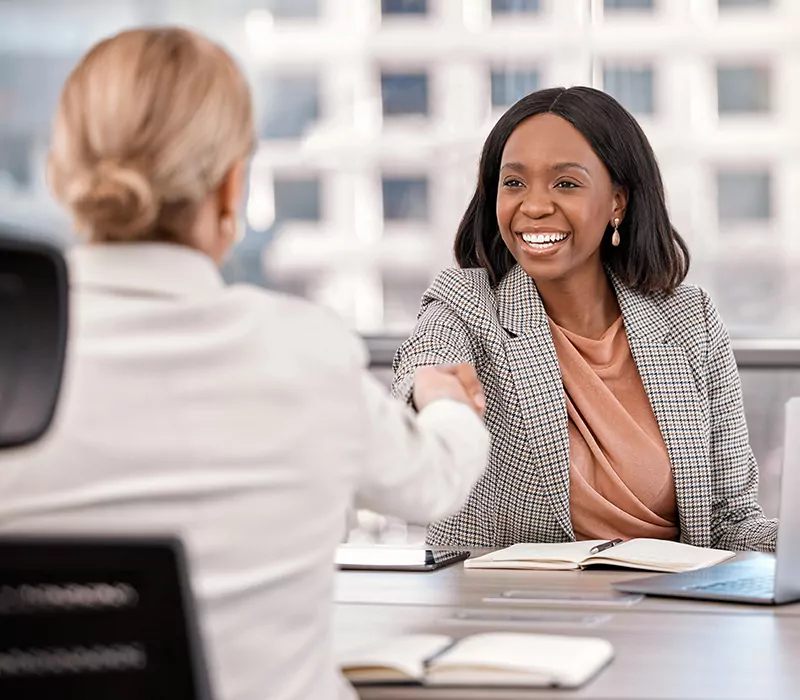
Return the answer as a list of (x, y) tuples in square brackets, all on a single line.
[(543, 659), (573, 552), (406, 654), (658, 552)]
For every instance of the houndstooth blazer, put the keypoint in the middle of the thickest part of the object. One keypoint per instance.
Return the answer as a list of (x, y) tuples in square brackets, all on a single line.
[(684, 357)]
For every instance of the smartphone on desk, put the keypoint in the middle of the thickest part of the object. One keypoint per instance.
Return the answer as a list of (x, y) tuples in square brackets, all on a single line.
[(381, 558)]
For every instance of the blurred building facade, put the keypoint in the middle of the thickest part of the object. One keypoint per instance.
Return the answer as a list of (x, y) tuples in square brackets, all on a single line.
[(372, 113)]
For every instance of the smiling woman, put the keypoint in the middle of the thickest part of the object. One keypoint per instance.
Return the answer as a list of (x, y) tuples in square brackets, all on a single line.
[(584, 139), (613, 397), (553, 215)]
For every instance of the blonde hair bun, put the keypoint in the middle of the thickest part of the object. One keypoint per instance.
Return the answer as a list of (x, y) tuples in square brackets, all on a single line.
[(148, 125), (113, 200)]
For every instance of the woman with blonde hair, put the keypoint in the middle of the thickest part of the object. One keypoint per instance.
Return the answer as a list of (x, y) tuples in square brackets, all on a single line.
[(242, 420)]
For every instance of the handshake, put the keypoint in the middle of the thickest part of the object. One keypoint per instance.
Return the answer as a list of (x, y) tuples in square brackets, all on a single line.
[(456, 382)]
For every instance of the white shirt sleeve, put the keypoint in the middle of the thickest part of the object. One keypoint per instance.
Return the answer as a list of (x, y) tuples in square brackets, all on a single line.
[(419, 467)]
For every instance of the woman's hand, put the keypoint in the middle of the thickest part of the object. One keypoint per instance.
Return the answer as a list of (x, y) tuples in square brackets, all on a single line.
[(456, 382)]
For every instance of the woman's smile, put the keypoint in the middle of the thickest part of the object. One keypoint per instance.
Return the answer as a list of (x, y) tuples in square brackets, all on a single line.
[(540, 242)]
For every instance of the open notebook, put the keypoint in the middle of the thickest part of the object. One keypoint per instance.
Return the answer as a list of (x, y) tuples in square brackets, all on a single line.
[(650, 555), (493, 659)]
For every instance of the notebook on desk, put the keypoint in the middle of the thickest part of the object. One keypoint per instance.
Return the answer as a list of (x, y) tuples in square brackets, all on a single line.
[(645, 554), (486, 660)]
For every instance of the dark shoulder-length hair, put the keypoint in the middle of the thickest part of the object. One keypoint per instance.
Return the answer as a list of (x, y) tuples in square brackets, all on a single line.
[(651, 257)]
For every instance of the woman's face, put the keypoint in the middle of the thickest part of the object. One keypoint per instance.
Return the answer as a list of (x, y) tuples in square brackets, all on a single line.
[(554, 199)]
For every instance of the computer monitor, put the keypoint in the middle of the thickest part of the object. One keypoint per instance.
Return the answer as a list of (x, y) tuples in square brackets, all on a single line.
[(96, 618)]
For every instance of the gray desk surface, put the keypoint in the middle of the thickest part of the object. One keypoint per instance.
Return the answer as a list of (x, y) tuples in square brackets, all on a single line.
[(663, 648), (458, 586)]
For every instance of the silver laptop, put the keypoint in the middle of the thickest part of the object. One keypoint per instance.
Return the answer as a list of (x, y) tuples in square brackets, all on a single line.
[(764, 579)]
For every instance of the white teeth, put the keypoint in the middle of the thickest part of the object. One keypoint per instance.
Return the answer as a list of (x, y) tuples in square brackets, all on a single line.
[(543, 238)]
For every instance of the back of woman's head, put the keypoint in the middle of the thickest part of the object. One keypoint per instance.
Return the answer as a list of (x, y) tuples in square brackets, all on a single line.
[(651, 257), (149, 123)]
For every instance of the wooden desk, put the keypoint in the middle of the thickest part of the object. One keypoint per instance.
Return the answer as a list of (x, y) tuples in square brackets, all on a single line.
[(663, 648)]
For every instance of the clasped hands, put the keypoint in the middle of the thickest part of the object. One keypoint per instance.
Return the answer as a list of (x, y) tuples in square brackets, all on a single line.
[(456, 382)]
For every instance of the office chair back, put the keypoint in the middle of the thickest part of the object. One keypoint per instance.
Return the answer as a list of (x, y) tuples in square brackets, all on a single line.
[(96, 619), (33, 333)]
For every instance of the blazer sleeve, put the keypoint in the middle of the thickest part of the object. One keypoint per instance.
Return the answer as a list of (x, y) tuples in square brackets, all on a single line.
[(737, 520), (439, 338)]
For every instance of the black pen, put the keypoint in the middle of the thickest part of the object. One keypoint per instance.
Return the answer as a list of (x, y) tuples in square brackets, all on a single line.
[(606, 545), (426, 663)]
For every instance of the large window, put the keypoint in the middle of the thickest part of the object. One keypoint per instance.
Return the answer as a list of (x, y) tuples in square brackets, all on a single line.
[(290, 104), (633, 87), (297, 199), (510, 85), (747, 282), (619, 5), (743, 89), (404, 93), (405, 198), (514, 7), (29, 86), (371, 116), (744, 195), (401, 297), (15, 162), (734, 4), (404, 7), (289, 9)]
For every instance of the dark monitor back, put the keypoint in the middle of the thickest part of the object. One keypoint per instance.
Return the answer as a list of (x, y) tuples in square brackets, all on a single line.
[(33, 333), (95, 619)]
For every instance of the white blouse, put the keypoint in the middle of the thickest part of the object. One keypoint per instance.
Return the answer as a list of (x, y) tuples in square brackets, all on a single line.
[(245, 422)]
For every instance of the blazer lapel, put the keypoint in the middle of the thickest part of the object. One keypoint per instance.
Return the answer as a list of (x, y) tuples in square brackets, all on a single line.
[(668, 380), (537, 380)]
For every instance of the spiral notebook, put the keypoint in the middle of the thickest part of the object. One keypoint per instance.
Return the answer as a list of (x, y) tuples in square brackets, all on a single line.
[(499, 659)]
